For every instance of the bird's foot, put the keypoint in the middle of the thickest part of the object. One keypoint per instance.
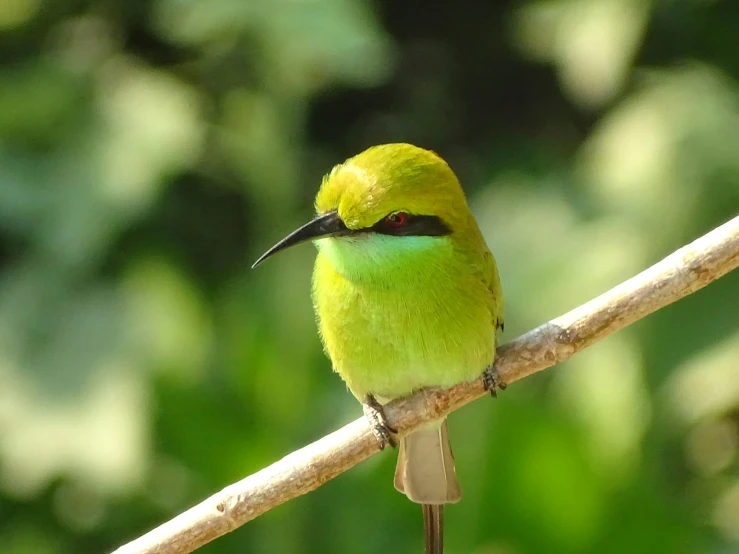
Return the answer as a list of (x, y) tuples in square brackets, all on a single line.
[(491, 381), (374, 414)]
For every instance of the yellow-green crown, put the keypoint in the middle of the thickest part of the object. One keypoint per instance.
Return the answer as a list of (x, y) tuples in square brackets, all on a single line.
[(390, 178)]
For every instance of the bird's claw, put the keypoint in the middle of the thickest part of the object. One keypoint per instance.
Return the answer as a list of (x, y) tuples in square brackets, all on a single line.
[(491, 381), (374, 414)]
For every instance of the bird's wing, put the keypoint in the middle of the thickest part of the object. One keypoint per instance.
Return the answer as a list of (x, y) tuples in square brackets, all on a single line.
[(492, 280)]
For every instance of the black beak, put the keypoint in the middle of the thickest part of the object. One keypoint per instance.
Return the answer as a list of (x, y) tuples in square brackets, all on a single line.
[(326, 225)]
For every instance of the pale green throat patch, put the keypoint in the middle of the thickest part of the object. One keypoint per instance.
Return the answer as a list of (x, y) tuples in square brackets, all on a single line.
[(373, 254)]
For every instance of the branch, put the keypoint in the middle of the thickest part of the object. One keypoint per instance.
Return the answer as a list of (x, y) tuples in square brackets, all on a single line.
[(682, 273)]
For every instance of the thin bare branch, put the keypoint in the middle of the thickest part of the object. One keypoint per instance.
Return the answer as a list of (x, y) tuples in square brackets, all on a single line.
[(682, 273)]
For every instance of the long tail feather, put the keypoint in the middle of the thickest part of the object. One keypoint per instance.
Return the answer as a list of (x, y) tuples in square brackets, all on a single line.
[(425, 471), (433, 524)]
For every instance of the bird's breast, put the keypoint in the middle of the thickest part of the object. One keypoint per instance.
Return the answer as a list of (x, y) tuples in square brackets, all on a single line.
[(410, 322)]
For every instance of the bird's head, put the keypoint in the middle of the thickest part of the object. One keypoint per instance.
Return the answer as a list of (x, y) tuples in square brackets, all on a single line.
[(389, 198)]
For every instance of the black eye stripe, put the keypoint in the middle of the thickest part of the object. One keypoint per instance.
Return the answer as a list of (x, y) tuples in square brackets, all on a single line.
[(414, 225)]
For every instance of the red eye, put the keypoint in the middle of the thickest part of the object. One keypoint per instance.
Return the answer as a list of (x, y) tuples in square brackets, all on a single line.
[(396, 220)]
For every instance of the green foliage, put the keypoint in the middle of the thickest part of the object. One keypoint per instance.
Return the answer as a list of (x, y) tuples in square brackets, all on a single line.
[(149, 150)]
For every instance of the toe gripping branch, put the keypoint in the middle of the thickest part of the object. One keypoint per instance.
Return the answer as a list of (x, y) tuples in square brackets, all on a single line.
[(492, 382), (384, 433), (374, 414)]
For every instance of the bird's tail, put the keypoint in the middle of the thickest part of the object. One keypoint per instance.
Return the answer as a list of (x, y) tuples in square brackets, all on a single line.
[(425, 474), (433, 525)]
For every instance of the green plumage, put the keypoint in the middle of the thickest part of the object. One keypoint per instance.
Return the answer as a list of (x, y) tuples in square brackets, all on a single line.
[(407, 296), (400, 313)]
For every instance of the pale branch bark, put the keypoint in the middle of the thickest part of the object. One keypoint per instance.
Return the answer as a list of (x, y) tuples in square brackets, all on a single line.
[(682, 273)]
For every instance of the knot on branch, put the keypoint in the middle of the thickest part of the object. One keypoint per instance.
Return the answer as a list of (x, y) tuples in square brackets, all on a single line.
[(224, 508)]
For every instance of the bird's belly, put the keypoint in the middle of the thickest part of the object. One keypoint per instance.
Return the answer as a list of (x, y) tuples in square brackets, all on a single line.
[(392, 341)]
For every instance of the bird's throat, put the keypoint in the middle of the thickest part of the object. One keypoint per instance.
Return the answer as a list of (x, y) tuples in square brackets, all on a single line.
[(373, 257)]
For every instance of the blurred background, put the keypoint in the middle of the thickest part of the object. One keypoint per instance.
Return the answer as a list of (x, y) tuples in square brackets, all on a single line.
[(150, 150)]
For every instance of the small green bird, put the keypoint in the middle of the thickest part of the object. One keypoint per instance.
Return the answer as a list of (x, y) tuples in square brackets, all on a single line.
[(407, 296)]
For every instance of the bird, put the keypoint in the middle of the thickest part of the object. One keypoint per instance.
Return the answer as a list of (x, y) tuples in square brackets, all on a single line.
[(407, 295)]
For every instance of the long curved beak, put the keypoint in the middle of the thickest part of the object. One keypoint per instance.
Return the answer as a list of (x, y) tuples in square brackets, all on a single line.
[(326, 225)]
